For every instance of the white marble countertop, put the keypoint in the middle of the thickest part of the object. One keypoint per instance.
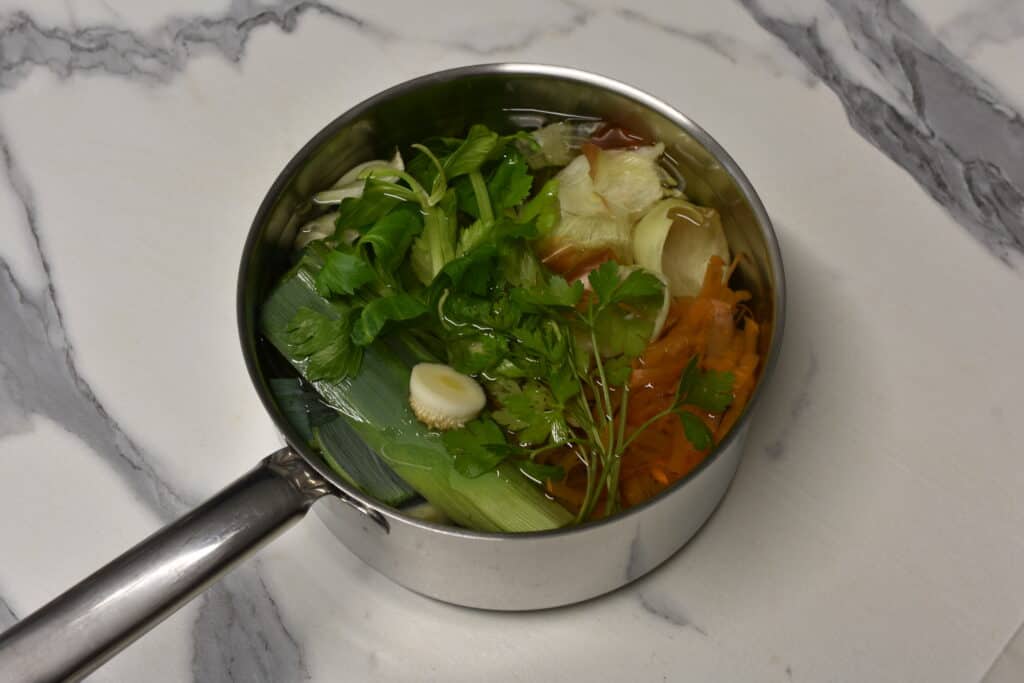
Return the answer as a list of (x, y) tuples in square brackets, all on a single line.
[(875, 530)]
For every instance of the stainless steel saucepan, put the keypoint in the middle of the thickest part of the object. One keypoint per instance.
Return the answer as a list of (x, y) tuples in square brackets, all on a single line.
[(79, 630)]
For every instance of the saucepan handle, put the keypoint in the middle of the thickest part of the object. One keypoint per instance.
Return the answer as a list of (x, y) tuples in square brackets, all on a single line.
[(79, 630)]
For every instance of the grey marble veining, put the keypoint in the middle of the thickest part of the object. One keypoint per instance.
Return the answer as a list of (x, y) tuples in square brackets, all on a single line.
[(664, 607), (923, 116), (239, 634), (153, 56), (929, 120), (775, 62), (982, 23), (1009, 664), (39, 370), (7, 615)]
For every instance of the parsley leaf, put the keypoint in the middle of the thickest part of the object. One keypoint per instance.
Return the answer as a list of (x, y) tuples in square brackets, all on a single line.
[(697, 433), (541, 473), (477, 353), (476, 448), (343, 273), (564, 383), (620, 331), (325, 343), (611, 288), (555, 292), (711, 391), (379, 312), (639, 284), (603, 281), (533, 414), (618, 370)]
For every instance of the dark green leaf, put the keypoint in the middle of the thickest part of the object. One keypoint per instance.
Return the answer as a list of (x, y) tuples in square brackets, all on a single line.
[(711, 391), (462, 310), (532, 412), (639, 284), (548, 340), (618, 370), (620, 331), (436, 244), (510, 183), (466, 196), (555, 292), (472, 153), (377, 200), (564, 383), (697, 433), (472, 236), (386, 243), (471, 447), (603, 281), (686, 379), (541, 473), (477, 353), (324, 343), (343, 273), (379, 312), (300, 404)]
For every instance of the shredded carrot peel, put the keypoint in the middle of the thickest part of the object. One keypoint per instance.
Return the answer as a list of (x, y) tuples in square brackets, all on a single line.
[(718, 328)]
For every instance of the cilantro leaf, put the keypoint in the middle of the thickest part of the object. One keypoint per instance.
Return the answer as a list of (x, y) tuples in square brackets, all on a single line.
[(472, 153), (711, 391), (386, 243), (510, 183), (379, 312), (325, 343), (697, 433), (476, 448), (343, 273)]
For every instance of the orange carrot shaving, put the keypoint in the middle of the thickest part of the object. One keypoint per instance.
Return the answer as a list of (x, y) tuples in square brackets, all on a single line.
[(721, 331)]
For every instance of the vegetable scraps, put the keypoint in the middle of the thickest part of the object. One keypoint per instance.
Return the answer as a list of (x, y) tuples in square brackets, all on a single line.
[(492, 322)]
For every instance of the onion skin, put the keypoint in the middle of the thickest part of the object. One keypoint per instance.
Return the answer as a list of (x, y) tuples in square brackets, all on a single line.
[(677, 239)]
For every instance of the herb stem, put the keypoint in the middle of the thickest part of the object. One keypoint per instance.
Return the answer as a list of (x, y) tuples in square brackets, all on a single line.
[(483, 200)]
